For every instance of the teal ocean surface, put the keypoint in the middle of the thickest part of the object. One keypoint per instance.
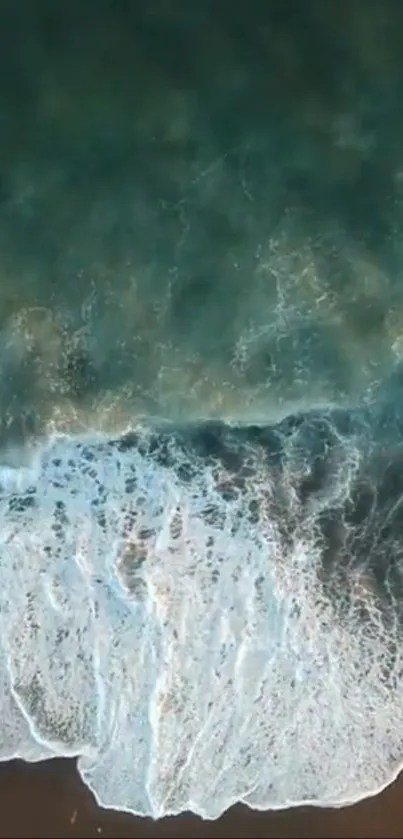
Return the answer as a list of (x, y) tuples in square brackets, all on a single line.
[(201, 399)]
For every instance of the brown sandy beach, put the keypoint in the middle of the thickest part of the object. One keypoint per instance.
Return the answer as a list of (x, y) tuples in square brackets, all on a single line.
[(49, 800)]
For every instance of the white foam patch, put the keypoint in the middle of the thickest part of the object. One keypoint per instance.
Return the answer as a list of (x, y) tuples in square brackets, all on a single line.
[(186, 653), (16, 740)]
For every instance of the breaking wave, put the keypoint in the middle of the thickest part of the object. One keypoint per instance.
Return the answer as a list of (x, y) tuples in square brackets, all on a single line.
[(209, 613)]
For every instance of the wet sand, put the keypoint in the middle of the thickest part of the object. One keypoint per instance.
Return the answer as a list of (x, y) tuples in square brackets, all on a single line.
[(49, 800)]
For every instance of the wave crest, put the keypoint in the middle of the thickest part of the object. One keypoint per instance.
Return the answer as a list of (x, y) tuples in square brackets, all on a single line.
[(207, 614)]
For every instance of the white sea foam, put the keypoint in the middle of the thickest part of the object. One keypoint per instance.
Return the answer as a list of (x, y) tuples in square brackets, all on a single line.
[(185, 651)]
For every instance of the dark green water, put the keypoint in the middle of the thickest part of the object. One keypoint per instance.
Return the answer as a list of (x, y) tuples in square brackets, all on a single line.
[(200, 208)]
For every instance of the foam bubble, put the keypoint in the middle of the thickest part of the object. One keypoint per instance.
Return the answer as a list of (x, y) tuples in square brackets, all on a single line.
[(207, 614)]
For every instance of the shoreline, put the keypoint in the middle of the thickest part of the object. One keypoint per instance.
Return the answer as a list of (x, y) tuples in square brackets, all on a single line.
[(50, 800)]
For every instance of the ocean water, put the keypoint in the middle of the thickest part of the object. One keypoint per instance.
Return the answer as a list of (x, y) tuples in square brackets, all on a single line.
[(201, 391), (210, 612)]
